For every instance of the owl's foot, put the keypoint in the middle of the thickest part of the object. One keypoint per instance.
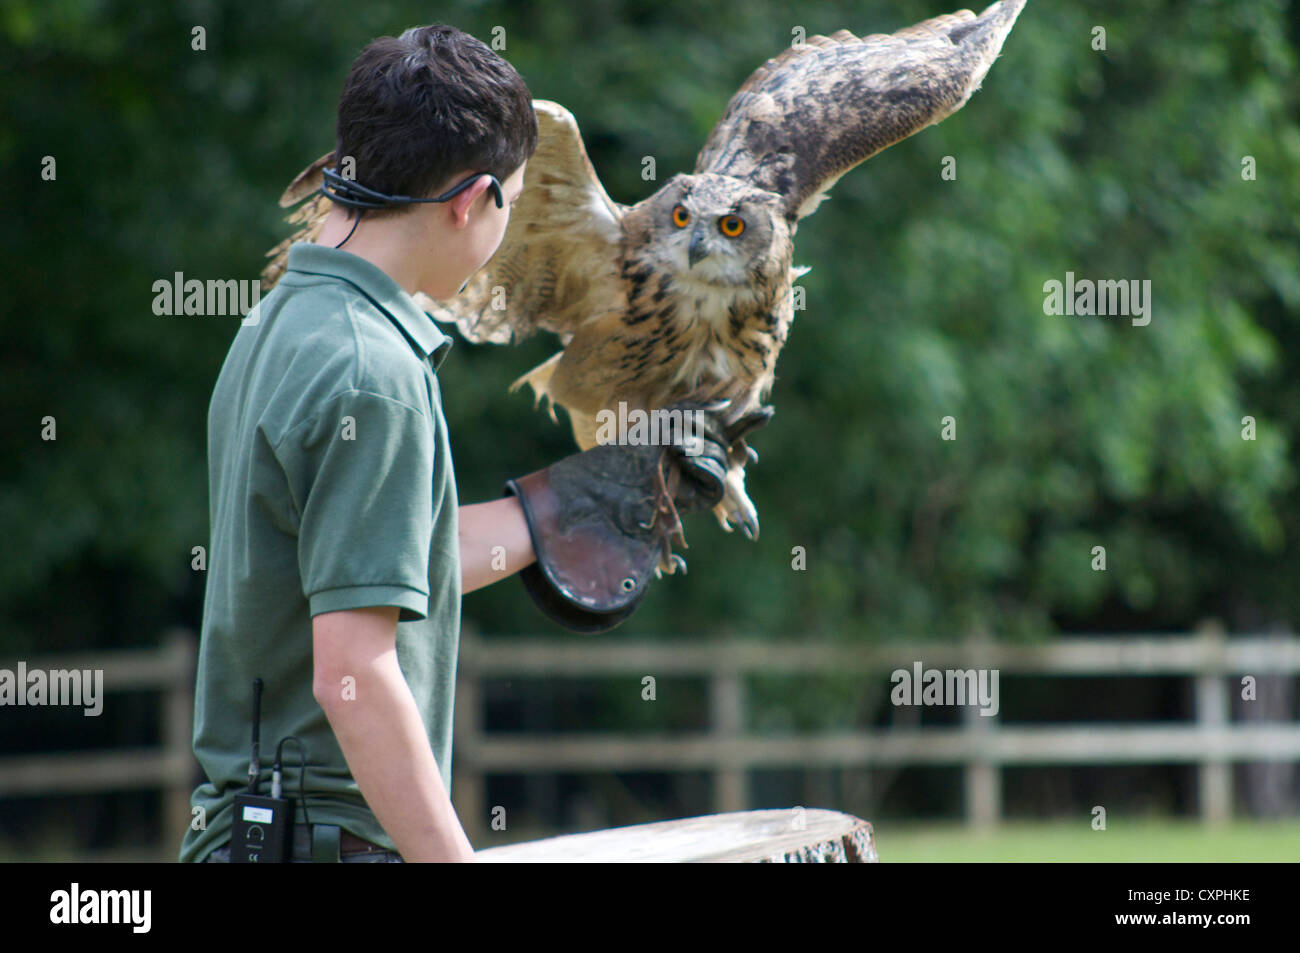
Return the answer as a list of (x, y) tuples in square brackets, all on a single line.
[(736, 509)]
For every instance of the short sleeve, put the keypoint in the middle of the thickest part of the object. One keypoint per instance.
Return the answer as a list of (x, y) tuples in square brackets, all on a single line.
[(361, 475)]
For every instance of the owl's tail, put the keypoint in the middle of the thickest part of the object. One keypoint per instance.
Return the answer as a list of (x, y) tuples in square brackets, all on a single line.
[(539, 378)]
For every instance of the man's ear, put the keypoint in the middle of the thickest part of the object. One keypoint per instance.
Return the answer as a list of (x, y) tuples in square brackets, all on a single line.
[(461, 204)]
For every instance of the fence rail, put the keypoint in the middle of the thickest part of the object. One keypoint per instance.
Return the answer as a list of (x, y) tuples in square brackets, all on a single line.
[(981, 745)]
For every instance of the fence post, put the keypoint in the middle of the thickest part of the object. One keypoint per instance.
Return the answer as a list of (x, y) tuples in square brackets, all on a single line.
[(178, 737), (727, 717), (468, 791), (982, 775), (1214, 775)]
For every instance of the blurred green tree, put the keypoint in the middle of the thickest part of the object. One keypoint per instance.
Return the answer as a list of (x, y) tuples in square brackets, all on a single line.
[(926, 301)]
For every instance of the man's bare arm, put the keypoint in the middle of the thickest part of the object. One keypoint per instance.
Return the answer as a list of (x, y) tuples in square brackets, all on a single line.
[(483, 528), (380, 732)]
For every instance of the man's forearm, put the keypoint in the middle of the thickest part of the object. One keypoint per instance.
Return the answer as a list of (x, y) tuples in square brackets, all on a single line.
[(388, 753), (494, 542)]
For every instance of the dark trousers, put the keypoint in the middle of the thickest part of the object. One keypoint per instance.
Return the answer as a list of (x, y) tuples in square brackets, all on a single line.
[(317, 844)]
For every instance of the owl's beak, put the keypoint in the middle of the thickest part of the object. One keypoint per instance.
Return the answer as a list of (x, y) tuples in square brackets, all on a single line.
[(696, 251)]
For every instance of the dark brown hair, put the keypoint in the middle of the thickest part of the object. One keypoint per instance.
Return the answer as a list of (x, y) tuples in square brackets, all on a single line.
[(422, 107)]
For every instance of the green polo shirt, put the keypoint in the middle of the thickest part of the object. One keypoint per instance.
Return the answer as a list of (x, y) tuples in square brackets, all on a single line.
[(331, 488)]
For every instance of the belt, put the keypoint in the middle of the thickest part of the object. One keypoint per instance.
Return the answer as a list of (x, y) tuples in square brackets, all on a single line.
[(350, 843), (326, 843)]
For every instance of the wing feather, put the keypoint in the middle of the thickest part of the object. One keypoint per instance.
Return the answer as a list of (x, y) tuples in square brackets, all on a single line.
[(809, 115), (557, 266), (309, 217)]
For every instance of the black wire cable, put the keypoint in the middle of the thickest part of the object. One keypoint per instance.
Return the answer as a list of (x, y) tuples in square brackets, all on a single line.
[(353, 194), (354, 228), (302, 768)]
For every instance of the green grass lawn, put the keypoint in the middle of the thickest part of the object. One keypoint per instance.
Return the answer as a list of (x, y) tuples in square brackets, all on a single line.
[(1126, 842)]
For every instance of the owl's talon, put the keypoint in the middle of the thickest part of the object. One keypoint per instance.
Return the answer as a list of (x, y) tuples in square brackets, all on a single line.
[(747, 522), (670, 563), (735, 508)]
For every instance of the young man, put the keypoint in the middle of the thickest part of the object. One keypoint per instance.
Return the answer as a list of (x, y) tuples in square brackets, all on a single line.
[(339, 551)]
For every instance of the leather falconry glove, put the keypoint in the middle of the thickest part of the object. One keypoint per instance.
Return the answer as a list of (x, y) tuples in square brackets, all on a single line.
[(603, 519)]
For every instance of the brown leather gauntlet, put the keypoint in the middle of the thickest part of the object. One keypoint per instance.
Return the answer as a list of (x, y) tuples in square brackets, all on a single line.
[(602, 520)]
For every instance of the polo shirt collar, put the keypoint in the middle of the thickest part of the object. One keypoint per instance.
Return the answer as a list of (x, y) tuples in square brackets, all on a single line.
[(385, 293)]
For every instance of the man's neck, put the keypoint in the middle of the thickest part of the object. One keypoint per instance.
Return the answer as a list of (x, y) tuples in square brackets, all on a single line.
[(385, 248)]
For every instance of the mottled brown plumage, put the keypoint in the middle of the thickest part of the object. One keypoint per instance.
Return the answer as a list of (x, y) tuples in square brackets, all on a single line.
[(656, 302)]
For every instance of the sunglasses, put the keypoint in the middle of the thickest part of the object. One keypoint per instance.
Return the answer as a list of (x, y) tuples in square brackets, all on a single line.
[(355, 195)]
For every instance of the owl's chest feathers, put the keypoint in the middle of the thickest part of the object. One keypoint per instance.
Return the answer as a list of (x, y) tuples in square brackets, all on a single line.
[(704, 336)]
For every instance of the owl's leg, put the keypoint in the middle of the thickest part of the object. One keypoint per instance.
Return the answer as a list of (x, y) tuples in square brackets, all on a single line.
[(736, 509)]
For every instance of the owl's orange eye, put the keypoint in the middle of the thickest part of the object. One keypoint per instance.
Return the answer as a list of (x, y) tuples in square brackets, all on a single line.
[(731, 225), (681, 216)]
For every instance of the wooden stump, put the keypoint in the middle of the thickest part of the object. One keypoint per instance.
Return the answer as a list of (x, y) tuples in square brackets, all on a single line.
[(792, 836)]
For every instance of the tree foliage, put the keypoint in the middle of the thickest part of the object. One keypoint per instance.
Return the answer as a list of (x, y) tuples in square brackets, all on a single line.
[(925, 301)]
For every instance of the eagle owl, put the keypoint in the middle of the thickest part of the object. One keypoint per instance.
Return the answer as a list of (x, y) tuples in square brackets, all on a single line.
[(688, 294)]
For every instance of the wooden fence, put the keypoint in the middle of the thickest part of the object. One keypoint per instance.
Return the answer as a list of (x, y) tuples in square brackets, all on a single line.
[(168, 669), (980, 744)]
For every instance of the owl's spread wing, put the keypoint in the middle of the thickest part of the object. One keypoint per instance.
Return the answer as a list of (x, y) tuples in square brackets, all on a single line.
[(809, 115), (557, 266), (310, 217)]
